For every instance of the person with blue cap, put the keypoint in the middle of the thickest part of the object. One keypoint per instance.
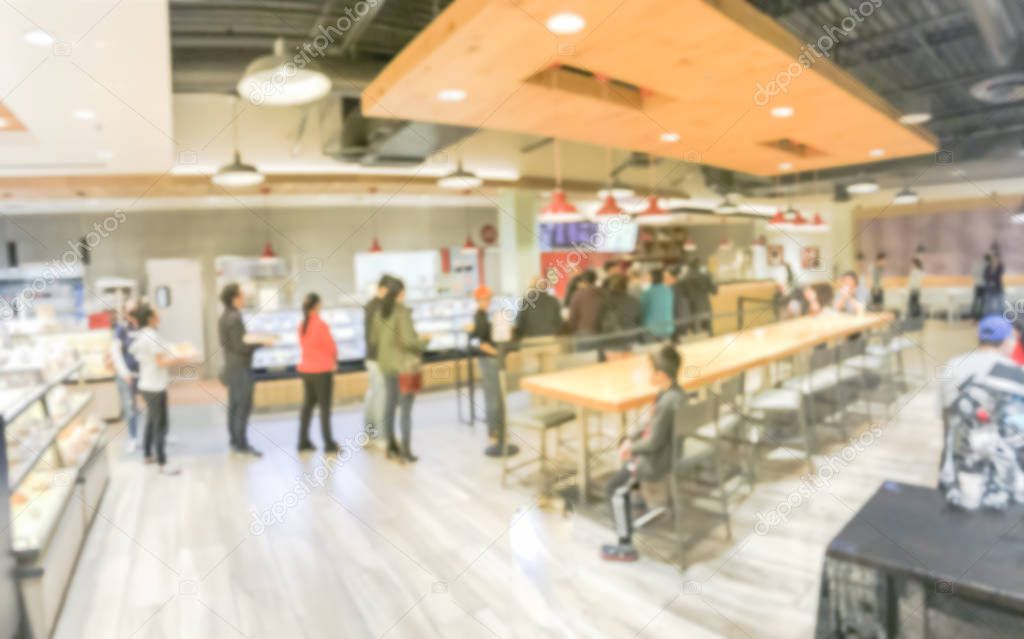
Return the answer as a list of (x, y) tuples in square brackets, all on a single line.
[(996, 341)]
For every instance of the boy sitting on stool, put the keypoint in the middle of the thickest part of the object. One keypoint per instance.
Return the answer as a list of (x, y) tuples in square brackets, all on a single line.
[(647, 453)]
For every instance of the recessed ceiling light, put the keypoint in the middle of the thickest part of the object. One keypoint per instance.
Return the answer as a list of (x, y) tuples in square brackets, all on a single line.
[(39, 38), (914, 119), (83, 114), (783, 112), (785, 166), (669, 136), (566, 23), (451, 95), (876, 153)]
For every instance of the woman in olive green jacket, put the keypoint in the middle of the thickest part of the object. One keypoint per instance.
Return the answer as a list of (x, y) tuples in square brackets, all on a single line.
[(399, 352)]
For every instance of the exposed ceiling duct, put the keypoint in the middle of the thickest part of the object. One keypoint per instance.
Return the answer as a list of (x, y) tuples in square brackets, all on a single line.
[(997, 30), (350, 137)]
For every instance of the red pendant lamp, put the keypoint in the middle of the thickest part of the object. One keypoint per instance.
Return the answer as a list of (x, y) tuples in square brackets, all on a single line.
[(469, 247), (268, 250), (798, 219), (558, 204), (375, 246), (818, 221), (653, 208), (609, 206), (778, 218), (559, 209)]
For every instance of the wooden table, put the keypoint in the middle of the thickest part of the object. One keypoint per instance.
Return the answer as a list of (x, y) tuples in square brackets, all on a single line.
[(624, 384)]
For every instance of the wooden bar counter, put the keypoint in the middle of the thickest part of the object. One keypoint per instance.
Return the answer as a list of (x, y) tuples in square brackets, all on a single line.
[(724, 304), (624, 384)]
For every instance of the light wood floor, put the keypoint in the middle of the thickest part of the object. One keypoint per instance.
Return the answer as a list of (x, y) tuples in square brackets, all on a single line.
[(439, 549)]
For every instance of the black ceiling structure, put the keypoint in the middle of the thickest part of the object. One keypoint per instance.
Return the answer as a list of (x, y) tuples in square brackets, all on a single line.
[(929, 55), (918, 54)]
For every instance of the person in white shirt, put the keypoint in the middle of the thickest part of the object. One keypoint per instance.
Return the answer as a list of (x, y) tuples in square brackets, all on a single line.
[(155, 359), (127, 370)]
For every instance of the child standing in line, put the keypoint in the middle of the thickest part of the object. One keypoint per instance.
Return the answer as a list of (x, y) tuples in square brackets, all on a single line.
[(155, 359)]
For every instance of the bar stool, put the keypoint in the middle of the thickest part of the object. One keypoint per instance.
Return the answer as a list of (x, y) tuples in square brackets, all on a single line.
[(541, 420)]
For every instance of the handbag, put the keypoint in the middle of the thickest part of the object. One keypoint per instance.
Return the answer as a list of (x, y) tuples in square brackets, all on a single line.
[(411, 382)]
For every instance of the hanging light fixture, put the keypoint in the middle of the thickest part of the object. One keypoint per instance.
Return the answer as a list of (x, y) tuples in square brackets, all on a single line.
[(609, 206), (906, 196), (470, 247), (237, 174), (276, 80), (460, 179), (689, 246), (375, 245), (618, 189), (559, 209), (653, 213), (778, 219), (862, 187), (268, 250)]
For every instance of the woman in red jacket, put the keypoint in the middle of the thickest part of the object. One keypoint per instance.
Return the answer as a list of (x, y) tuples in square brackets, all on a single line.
[(317, 365)]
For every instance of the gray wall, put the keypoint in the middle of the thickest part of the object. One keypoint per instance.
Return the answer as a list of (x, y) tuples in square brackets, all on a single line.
[(954, 242), (332, 236)]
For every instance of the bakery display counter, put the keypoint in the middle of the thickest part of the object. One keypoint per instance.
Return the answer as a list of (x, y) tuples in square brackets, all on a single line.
[(55, 476)]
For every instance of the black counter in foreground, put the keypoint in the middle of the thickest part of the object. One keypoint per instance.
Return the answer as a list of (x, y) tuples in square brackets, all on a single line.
[(909, 565)]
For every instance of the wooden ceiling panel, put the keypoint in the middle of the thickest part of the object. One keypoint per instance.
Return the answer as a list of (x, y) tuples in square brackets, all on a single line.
[(700, 63)]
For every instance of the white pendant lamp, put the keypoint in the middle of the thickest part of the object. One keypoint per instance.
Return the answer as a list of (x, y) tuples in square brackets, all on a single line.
[(906, 196), (237, 174), (460, 179), (279, 79)]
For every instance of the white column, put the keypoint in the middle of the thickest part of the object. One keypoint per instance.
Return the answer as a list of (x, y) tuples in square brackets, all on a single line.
[(517, 238)]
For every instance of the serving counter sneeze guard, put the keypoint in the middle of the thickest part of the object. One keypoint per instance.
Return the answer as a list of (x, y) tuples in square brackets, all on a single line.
[(55, 475)]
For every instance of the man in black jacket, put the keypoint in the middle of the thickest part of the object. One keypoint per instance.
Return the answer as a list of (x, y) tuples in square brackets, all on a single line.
[(237, 374), (647, 453), (540, 314)]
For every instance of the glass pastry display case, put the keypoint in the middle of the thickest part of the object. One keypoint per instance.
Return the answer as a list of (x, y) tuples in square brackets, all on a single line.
[(444, 319), (53, 478)]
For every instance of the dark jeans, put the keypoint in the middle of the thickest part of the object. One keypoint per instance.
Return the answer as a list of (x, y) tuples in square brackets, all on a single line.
[(619, 488), (914, 306), (978, 304), (396, 401), (240, 385), (156, 425), (317, 390), (494, 404)]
